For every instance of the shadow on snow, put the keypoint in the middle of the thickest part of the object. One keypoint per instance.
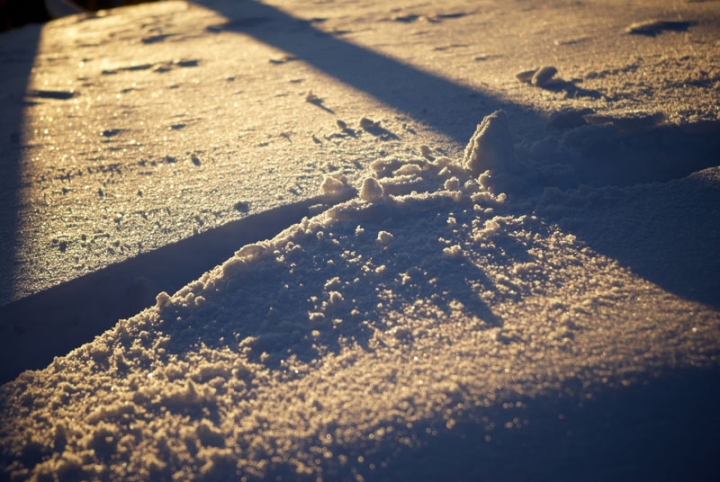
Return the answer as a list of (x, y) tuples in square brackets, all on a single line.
[(649, 429)]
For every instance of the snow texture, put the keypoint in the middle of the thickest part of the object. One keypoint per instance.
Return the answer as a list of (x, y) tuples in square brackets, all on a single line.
[(410, 310), (487, 314)]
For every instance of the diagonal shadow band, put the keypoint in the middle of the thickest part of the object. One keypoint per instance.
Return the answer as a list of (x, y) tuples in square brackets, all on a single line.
[(51, 323), (426, 97)]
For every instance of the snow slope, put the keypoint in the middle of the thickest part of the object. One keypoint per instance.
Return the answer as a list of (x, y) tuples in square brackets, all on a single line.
[(540, 305)]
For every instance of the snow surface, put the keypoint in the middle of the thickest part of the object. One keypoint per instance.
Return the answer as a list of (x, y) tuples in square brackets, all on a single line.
[(533, 306), (329, 348)]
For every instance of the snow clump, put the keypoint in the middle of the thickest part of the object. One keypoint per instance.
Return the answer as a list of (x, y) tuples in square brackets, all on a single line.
[(491, 147), (371, 190)]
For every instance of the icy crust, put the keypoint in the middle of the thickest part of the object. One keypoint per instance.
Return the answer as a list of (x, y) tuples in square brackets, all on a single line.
[(328, 350)]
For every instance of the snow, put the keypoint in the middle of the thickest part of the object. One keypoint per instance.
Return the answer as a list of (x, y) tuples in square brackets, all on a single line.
[(491, 147), (524, 304), (543, 76), (371, 190), (345, 332)]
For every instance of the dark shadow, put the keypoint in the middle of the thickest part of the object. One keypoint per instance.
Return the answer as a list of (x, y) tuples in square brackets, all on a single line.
[(381, 132), (659, 429), (17, 13), (50, 94), (653, 28), (17, 56), (51, 323), (571, 89), (319, 103), (652, 232), (345, 132), (614, 154)]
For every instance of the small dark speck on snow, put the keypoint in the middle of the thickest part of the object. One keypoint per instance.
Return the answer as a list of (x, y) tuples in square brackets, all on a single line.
[(51, 94), (452, 15), (155, 38), (242, 206), (654, 27), (188, 63), (406, 18)]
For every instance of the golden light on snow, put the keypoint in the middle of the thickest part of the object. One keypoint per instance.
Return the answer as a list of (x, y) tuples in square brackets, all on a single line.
[(416, 300)]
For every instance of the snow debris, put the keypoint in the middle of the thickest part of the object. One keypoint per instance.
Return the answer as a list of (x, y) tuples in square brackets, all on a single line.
[(491, 147), (369, 124), (408, 169), (324, 337), (384, 238), (316, 318), (385, 167), (335, 186), (526, 75), (163, 300), (312, 98), (538, 77), (543, 76), (569, 118), (492, 225), (332, 283), (252, 251), (335, 301), (321, 348), (441, 162), (371, 190), (452, 184), (452, 251), (244, 258), (282, 59)]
